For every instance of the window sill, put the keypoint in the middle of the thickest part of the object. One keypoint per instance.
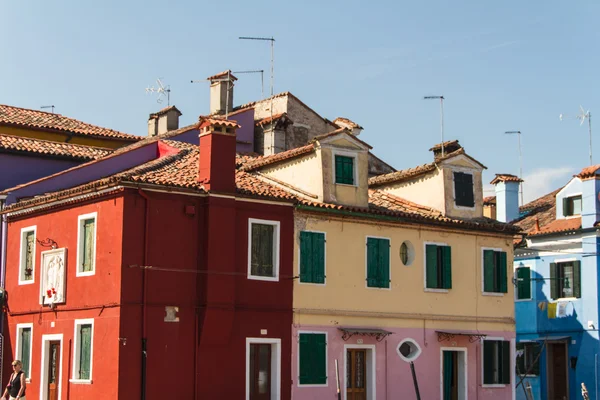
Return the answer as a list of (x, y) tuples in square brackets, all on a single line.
[(347, 184), (564, 299), (81, 381), (495, 386), (522, 300), (30, 282), (529, 376), (89, 273), (264, 278), (436, 290), (312, 385), (493, 294)]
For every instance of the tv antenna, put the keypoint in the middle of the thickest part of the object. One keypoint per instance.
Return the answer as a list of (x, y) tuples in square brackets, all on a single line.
[(229, 85), (161, 90), (518, 133), (441, 99), (44, 107), (582, 116), (262, 79)]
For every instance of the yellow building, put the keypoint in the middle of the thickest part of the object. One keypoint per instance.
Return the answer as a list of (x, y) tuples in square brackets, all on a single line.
[(16, 121), (392, 270)]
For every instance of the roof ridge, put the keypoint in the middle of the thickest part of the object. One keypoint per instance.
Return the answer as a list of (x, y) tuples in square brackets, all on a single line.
[(57, 143)]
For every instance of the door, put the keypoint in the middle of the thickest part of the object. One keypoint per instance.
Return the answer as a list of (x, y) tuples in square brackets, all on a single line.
[(260, 371), (558, 387), (450, 373), (356, 374), (53, 370)]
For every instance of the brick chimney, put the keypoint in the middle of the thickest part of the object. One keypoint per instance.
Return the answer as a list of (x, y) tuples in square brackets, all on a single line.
[(216, 166), (163, 121), (507, 197), (221, 92)]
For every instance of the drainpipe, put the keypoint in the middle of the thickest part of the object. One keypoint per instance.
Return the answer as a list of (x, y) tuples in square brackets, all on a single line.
[(3, 240), (144, 292)]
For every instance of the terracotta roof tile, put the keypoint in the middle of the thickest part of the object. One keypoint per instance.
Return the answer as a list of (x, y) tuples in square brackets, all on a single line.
[(222, 75), (588, 172), (489, 200), (448, 143), (35, 119), (540, 211), (346, 123), (558, 225), (24, 145), (275, 158), (268, 120), (505, 178), (164, 111), (337, 132), (401, 175), (229, 123)]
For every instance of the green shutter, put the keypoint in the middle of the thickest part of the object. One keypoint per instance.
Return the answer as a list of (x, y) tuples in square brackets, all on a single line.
[(502, 272), (85, 350), (448, 373), (447, 265), (338, 169), (344, 170), (29, 250), (565, 202), (431, 266), (469, 199), (505, 371), (25, 350), (313, 359), (488, 361), (318, 246), (576, 279), (306, 252), (384, 263), (553, 281), (372, 261), (523, 283), (488, 271), (88, 244), (312, 257)]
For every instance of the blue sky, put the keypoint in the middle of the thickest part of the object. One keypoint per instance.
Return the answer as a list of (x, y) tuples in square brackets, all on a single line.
[(510, 65)]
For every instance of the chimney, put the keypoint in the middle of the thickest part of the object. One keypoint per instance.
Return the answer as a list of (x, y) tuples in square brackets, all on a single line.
[(163, 121), (351, 126), (449, 147), (590, 187), (221, 92), (507, 197), (216, 166), (274, 133)]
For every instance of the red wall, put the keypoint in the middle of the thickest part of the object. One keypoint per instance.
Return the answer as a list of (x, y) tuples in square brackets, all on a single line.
[(85, 297)]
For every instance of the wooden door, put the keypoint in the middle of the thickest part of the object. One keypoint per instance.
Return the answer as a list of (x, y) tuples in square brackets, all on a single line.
[(53, 370), (260, 371), (558, 387), (356, 374), (450, 375)]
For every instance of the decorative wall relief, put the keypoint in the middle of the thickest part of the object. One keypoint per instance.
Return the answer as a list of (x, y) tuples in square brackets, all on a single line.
[(53, 271)]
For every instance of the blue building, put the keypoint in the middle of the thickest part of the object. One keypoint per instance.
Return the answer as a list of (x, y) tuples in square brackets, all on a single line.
[(556, 278)]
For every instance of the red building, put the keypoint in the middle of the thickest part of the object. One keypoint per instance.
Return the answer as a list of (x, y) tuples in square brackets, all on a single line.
[(168, 280)]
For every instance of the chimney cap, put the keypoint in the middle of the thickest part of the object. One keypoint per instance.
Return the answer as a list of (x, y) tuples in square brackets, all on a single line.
[(164, 111), (207, 121), (222, 75), (346, 123), (505, 178), (449, 146), (588, 172)]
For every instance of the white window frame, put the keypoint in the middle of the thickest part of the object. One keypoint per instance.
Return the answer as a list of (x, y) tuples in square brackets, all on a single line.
[(539, 361), (276, 249), (46, 339), (521, 265), (372, 357), (22, 250), (512, 362), (578, 194), (326, 358), (426, 289), (482, 269), (80, 243), (464, 171), (565, 260), (275, 365), (336, 152), (324, 261), (367, 262), (19, 346), (77, 345)]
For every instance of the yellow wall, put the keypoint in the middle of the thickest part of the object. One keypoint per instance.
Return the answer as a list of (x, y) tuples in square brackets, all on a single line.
[(426, 190), (345, 293), (63, 137), (462, 165), (301, 172)]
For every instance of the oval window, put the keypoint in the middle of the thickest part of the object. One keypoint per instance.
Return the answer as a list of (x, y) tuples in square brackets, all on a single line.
[(407, 253)]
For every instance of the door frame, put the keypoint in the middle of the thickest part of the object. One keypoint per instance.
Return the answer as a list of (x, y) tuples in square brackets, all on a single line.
[(465, 364), (565, 345), (370, 368), (275, 365), (46, 339)]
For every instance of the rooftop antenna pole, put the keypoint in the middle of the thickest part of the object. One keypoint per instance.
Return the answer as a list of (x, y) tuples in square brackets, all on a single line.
[(582, 116), (441, 98), (161, 90), (262, 79), (44, 107), (518, 133)]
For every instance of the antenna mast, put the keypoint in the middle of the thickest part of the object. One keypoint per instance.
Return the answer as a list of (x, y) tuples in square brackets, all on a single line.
[(441, 98), (44, 107), (262, 79), (582, 117), (161, 90), (518, 133)]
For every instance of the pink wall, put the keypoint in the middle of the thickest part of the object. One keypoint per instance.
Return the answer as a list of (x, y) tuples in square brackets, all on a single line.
[(397, 382)]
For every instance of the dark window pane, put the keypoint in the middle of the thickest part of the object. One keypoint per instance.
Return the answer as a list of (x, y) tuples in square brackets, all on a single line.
[(262, 251)]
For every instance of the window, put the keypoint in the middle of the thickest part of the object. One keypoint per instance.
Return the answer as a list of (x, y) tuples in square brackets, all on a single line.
[(565, 279), (312, 257), (438, 269), (496, 362), (27, 255), (86, 252), (83, 350), (494, 272), (572, 206), (263, 251), (523, 275), (312, 359), (23, 348), (528, 362), (378, 263), (344, 170), (463, 190), (407, 253)]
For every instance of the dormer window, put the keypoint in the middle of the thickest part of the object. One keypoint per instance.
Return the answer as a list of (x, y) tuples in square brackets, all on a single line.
[(463, 189), (344, 170), (572, 206)]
